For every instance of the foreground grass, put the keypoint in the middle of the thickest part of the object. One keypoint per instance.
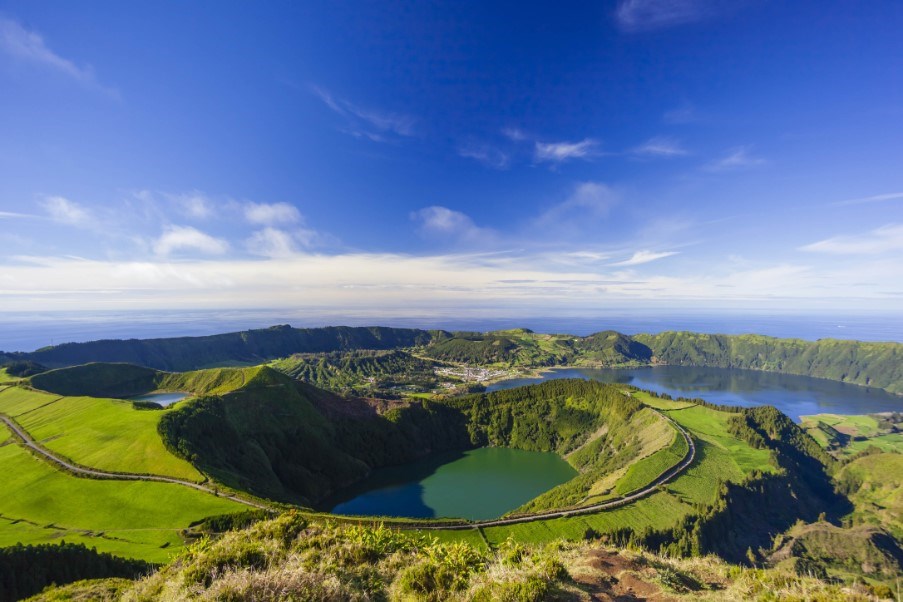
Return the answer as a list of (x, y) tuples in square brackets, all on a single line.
[(108, 434), (290, 558), (39, 504)]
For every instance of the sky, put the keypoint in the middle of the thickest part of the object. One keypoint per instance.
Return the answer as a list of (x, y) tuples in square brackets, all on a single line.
[(452, 158)]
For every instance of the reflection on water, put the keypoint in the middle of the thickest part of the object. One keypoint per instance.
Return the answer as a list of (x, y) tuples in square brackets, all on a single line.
[(476, 484), (794, 395)]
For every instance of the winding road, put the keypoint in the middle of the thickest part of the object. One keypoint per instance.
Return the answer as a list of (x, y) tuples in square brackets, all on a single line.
[(26, 440), (82, 471)]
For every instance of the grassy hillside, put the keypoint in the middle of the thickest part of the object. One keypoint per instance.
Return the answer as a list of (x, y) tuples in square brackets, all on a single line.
[(290, 558), (108, 434), (877, 365), (846, 436), (98, 380), (361, 372), (40, 504), (280, 438), (874, 483)]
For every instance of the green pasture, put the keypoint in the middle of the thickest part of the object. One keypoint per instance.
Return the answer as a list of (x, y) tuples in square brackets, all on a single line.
[(108, 434), (39, 504)]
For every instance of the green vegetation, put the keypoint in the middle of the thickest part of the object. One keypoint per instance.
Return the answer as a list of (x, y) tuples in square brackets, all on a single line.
[(874, 483), (98, 380), (846, 436), (250, 346), (878, 365), (872, 364), (26, 570), (136, 519), (362, 372), (290, 558), (108, 434)]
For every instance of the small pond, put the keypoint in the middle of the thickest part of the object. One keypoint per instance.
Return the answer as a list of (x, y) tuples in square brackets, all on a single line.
[(164, 399)]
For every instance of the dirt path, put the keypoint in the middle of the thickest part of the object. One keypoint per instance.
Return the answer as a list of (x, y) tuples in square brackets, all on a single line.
[(26, 440)]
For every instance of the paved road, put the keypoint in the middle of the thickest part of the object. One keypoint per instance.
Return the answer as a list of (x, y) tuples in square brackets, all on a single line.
[(30, 443), (665, 477)]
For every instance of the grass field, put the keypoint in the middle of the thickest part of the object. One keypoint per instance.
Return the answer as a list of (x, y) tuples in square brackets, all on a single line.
[(862, 431), (102, 433), (39, 504)]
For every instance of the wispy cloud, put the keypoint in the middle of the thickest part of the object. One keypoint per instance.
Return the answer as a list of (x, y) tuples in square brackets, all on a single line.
[(588, 201), (885, 239), (515, 134), (186, 238), (28, 46), (641, 257), (367, 123), (878, 198), (269, 214), (660, 147), (682, 114), (271, 242), (194, 204), (447, 223), (486, 154), (559, 152), (648, 15), (740, 157), (64, 211), (13, 215)]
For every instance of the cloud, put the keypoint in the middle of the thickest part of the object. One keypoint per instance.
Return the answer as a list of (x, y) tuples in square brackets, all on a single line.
[(737, 158), (271, 214), (515, 134), (885, 239), (680, 115), (448, 223), (271, 242), (485, 154), (194, 204), (641, 257), (648, 15), (186, 238), (363, 121), (589, 200), (558, 152), (878, 198), (65, 211), (660, 147), (29, 46), (13, 215)]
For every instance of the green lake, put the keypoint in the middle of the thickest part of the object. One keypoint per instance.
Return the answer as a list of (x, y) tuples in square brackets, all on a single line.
[(476, 484)]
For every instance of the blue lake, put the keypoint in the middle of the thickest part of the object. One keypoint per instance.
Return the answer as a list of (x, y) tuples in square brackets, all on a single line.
[(794, 395)]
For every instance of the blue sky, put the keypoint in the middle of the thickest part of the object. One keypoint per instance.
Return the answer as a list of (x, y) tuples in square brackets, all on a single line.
[(414, 158)]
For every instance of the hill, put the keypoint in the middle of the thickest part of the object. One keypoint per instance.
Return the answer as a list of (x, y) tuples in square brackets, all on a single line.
[(293, 558), (876, 365), (248, 347)]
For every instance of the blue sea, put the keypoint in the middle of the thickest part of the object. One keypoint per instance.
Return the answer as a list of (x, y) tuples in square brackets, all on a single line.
[(20, 331)]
